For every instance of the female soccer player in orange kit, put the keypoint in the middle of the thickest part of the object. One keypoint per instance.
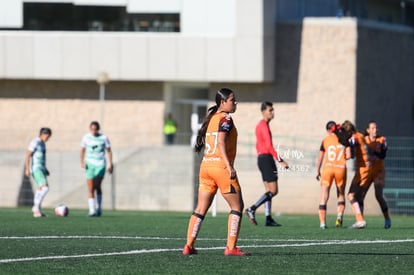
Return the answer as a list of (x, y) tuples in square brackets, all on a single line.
[(363, 172), (334, 152), (378, 147), (218, 137)]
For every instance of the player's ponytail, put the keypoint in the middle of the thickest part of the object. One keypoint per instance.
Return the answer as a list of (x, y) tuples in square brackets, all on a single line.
[(221, 95), (343, 136)]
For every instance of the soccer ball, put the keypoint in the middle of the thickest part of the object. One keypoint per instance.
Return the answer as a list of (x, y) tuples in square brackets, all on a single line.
[(61, 210)]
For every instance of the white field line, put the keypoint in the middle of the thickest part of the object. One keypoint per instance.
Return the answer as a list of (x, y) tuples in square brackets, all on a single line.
[(143, 251), (155, 238)]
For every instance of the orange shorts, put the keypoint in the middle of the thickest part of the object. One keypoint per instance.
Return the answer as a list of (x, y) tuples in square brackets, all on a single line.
[(378, 175), (213, 178), (363, 177), (330, 173)]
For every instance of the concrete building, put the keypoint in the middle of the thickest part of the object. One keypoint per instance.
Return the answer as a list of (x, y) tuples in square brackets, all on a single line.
[(170, 56)]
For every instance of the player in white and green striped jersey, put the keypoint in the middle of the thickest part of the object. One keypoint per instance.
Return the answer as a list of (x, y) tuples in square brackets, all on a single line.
[(35, 165), (94, 145)]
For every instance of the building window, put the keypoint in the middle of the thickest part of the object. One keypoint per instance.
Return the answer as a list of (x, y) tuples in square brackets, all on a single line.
[(69, 17)]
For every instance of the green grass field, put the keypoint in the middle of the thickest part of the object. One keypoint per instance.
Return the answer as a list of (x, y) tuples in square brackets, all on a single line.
[(122, 242)]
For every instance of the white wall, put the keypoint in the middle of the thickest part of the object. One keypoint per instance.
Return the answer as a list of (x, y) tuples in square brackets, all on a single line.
[(153, 6), (11, 13), (208, 17)]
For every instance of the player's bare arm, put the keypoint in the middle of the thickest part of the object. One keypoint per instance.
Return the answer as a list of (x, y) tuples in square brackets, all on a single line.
[(110, 164), (27, 163), (82, 157), (319, 165)]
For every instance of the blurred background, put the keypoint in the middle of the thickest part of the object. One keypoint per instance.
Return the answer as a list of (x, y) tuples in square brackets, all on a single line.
[(131, 64)]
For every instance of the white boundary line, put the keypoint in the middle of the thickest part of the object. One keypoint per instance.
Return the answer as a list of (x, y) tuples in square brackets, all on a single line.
[(165, 238), (144, 251)]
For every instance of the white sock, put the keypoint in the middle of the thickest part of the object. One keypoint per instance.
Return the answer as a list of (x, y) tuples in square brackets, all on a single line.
[(91, 202), (36, 200), (43, 192), (268, 208)]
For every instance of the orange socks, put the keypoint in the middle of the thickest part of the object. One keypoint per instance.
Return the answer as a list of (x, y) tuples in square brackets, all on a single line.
[(193, 228), (233, 228)]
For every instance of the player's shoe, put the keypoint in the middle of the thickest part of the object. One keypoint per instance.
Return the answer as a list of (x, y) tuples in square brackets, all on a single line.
[(323, 226), (37, 213), (359, 225), (251, 215), (98, 212), (189, 250), (272, 222), (338, 222), (235, 252), (92, 215), (387, 224)]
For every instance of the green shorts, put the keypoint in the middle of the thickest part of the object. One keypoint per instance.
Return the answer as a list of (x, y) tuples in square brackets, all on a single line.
[(39, 177), (93, 171)]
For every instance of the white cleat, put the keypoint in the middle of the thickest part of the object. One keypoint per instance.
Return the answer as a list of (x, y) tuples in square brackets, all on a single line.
[(359, 225), (37, 213)]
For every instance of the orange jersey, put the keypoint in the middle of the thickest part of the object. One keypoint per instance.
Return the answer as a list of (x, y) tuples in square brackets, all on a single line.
[(334, 152), (378, 147), (360, 150), (220, 122)]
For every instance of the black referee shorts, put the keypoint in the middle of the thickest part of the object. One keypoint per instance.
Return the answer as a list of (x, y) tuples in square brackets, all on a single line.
[(267, 167)]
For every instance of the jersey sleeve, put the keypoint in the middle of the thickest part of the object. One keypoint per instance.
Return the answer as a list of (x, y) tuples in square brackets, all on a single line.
[(383, 152), (225, 124), (353, 144), (83, 142), (32, 145), (352, 141), (384, 146), (322, 148)]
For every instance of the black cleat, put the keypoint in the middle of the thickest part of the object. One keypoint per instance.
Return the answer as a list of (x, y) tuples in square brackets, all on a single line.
[(272, 222), (251, 215)]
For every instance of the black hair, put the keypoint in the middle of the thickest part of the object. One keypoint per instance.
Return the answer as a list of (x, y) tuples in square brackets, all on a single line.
[(95, 123), (331, 125), (348, 129), (265, 104), (45, 130), (343, 136), (222, 94)]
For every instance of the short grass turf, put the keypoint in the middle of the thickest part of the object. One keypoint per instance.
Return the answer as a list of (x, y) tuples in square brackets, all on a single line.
[(127, 242)]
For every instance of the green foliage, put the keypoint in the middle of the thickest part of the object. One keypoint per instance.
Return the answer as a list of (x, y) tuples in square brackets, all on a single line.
[(151, 243)]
